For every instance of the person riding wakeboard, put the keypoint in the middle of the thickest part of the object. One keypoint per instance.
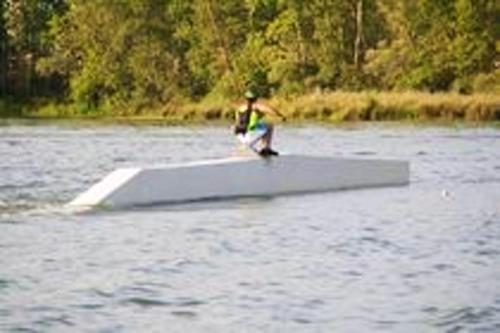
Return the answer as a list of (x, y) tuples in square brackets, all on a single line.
[(250, 128)]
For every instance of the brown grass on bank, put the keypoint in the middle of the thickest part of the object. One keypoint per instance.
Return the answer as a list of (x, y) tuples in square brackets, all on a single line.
[(379, 106), (329, 107), (362, 106)]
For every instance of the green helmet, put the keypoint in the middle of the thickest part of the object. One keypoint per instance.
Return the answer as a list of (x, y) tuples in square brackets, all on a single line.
[(249, 94)]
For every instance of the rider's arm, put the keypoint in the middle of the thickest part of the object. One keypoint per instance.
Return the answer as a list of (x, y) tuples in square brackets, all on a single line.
[(269, 109)]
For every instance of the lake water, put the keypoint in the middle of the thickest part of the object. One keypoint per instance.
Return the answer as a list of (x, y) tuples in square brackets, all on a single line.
[(419, 258)]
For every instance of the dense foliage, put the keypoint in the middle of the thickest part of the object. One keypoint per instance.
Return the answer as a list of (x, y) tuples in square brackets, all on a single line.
[(136, 54)]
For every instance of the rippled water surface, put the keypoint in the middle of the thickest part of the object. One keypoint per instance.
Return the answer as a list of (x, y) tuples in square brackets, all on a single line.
[(421, 258)]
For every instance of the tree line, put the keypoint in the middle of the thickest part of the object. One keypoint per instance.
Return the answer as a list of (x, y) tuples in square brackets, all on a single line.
[(143, 53)]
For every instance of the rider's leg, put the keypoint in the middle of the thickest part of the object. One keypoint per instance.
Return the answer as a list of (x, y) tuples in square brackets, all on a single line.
[(267, 140), (268, 137)]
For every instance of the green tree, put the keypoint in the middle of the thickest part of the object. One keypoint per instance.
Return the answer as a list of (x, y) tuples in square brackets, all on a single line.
[(474, 45), (288, 47), (118, 54), (432, 24), (219, 33), (433, 43), (23, 27), (136, 54), (252, 62)]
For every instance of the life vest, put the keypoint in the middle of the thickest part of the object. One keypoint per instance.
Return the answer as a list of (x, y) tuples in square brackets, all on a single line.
[(246, 120)]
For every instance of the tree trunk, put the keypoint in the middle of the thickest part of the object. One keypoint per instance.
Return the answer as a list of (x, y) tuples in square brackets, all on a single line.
[(3, 66), (358, 47), (3, 50)]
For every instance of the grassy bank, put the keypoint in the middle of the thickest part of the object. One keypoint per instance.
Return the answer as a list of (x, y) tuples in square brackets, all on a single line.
[(368, 106), (365, 106), (320, 107)]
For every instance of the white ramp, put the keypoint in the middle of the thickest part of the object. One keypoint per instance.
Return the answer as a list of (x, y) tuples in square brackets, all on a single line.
[(240, 177)]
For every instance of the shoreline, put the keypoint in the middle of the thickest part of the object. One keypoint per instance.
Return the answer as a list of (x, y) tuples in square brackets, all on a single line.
[(160, 122), (322, 108)]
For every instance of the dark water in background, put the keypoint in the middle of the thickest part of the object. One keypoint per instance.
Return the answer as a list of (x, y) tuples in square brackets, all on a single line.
[(422, 258)]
